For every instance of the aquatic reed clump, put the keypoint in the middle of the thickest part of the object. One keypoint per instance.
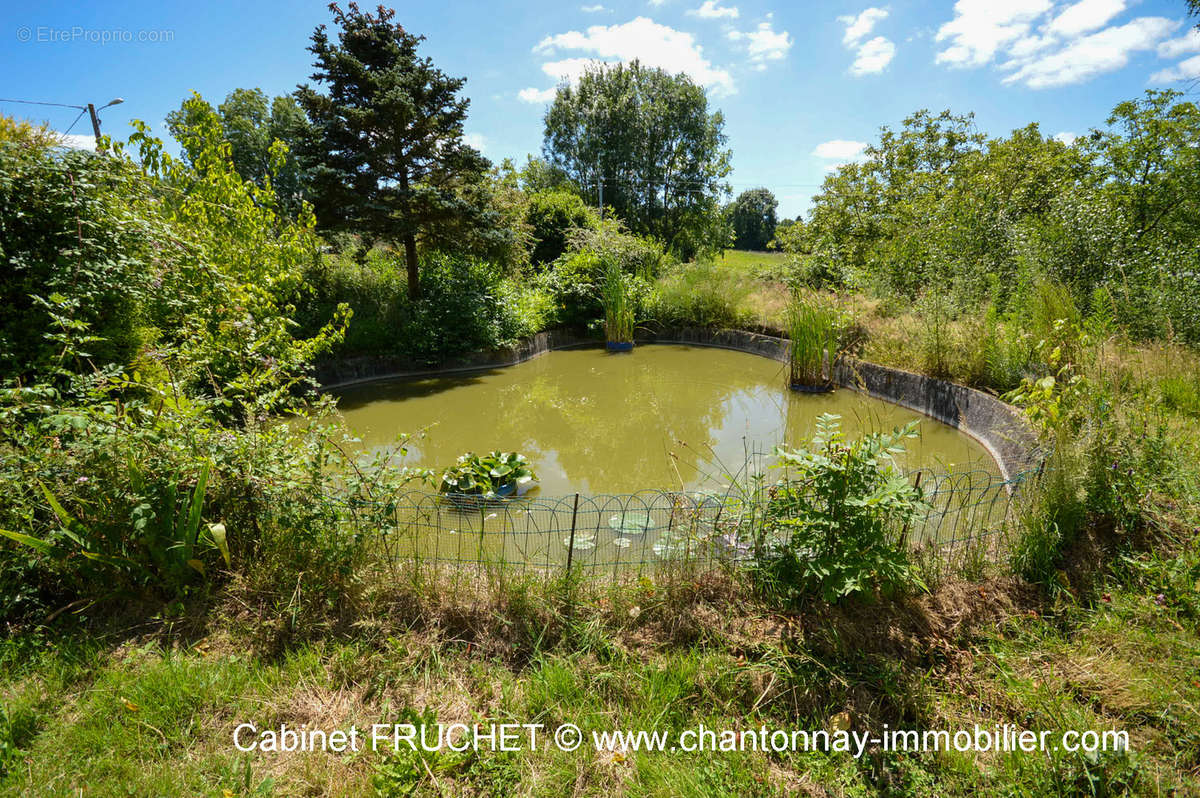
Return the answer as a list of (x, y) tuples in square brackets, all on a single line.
[(813, 329), (616, 297)]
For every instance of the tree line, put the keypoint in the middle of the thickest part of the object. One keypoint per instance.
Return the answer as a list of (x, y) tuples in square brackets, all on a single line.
[(375, 143), (936, 207)]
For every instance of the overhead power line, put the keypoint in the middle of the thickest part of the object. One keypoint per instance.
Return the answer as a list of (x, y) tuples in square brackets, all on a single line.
[(39, 102)]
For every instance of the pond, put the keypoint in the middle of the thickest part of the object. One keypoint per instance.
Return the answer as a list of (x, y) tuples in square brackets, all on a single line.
[(660, 417)]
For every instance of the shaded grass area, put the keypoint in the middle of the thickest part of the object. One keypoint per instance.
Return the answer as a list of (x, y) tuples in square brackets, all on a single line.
[(151, 710)]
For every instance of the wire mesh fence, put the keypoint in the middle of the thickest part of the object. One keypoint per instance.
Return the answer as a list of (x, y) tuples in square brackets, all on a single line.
[(621, 535)]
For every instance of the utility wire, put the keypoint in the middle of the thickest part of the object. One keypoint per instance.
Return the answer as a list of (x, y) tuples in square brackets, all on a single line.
[(37, 102), (81, 113)]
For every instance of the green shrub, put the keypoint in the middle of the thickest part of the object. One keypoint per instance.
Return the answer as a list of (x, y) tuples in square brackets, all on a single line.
[(529, 307), (551, 215), (835, 525), (467, 305), (637, 255), (817, 271), (575, 282), (76, 234), (155, 500), (142, 458), (995, 354), (1051, 315), (573, 285)]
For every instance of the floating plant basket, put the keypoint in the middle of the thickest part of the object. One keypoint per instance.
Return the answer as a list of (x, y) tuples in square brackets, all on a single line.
[(474, 501), (620, 346)]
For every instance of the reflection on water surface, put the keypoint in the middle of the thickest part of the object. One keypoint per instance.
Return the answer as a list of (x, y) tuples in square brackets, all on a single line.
[(662, 416)]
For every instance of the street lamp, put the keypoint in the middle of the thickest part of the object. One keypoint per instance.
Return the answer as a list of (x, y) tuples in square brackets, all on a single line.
[(92, 109)]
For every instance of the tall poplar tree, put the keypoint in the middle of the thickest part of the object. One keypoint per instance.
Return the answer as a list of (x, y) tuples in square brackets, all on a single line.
[(645, 139)]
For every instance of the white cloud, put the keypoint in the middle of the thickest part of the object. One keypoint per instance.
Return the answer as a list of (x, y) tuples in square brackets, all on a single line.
[(981, 27), (1066, 137), (857, 27), (1084, 16), (536, 95), (596, 9), (840, 152), (712, 9), (657, 3), (78, 141), (476, 140), (644, 39), (1187, 43), (764, 44), (1029, 46), (1086, 57), (841, 149), (873, 56), (568, 69), (1049, 43), (1185, 70)]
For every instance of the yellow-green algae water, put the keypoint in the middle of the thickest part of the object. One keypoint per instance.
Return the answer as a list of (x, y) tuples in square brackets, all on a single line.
[(660, 417)]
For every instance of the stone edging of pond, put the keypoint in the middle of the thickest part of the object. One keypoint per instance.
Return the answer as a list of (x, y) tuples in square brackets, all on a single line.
[(997, 426)]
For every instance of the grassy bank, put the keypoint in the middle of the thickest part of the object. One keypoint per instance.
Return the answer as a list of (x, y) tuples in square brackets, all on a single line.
[(151, 709)]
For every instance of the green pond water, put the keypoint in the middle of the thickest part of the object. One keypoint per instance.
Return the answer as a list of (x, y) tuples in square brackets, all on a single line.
[(663, 416)]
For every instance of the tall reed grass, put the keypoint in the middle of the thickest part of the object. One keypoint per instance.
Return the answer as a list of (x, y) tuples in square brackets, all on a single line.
[(813, 329), (616, 297)]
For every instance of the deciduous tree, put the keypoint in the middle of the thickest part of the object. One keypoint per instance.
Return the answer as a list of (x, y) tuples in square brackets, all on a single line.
[(648, 137), (251, 123), (753, 217)]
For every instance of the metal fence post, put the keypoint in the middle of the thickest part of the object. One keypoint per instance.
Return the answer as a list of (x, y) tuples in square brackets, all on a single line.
[(904, 534), (571, 542), (571, 557)]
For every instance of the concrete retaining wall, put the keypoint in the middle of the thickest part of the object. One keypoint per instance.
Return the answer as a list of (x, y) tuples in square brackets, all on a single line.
[(999, 427), (332, 375)]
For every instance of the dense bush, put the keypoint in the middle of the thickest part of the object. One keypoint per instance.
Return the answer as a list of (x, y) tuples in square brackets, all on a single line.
[(151, 499), (76, 238), (937, 206), (609, 241), (574, 282), (155, 342), (573, 285), (551, 215), (1113, 458), (467, 305)]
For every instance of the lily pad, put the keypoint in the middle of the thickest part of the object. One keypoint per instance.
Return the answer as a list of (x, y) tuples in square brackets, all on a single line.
[(582, 542), (622, 543), (630, 523)]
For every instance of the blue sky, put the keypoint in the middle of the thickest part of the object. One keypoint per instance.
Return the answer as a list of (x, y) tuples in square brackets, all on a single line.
[(802, 85)]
